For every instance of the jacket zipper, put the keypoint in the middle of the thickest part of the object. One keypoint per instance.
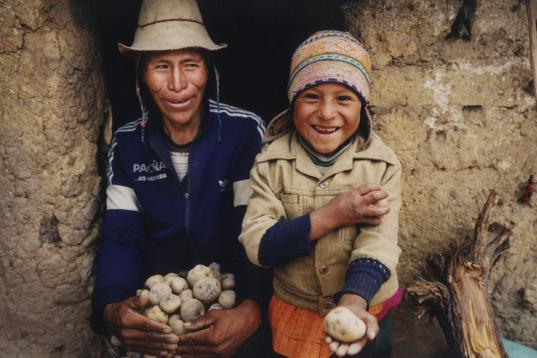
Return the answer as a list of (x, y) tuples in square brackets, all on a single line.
[(187, 193)]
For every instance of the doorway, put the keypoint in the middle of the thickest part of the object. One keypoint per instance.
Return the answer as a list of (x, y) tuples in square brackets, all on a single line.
[(254, 69)]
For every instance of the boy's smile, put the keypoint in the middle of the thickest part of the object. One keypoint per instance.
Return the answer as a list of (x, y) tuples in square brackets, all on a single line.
[(327, 115)]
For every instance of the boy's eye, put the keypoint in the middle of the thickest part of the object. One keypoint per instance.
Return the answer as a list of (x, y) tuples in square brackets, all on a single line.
[(344, 98), (309, 95)]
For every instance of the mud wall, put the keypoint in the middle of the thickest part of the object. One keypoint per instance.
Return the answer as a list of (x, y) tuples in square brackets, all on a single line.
[(462, 118), (51, 110)]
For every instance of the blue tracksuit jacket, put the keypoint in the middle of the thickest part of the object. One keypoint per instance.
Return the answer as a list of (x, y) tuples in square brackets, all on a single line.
[(155, 223)]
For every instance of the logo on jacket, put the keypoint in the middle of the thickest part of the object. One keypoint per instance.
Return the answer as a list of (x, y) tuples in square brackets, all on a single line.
[(223, 184), (149, 171)]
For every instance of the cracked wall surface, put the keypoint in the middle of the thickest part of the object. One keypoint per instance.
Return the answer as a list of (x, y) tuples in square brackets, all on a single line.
[(462, 119), (51, 111)]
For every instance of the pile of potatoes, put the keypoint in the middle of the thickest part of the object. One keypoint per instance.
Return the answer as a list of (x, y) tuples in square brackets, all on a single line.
[(174, 299)]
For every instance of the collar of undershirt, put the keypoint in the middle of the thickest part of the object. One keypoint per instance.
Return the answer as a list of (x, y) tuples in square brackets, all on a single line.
[(323, 160)]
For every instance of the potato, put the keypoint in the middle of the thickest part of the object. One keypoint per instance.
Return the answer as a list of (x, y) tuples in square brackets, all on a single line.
[(159, 291), (227, 298), (186, 294), (143, 296), (215, 306), (153, 280), (178, 284), (228, 281), (156, 314), (197, 273), (216, 270), (215, 266), (342, 325), (177, 325), (170, 304), (207, 289), (170, 276), (191, 310)]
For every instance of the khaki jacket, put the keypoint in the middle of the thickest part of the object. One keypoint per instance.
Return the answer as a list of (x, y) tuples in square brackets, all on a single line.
[(286, 185)]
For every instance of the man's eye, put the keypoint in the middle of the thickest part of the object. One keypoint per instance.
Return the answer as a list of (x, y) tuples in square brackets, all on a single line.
[(161, 66), (192, 65)]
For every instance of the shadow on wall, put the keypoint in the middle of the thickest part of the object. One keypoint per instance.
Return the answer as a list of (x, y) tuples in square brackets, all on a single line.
[(254, 68)]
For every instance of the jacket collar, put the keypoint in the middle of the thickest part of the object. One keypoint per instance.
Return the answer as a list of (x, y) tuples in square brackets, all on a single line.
[(156, 137), (288, 147)]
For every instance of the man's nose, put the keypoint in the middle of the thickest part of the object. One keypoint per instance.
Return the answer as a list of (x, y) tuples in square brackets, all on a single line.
[(178, 81)]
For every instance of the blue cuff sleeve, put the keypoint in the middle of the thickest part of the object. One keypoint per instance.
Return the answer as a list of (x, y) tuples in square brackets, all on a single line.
[(100, 300), (364, 278), (285, 241)]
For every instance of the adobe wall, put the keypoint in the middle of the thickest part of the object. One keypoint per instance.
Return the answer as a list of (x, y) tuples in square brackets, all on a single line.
[(462, 118), (51, 111)]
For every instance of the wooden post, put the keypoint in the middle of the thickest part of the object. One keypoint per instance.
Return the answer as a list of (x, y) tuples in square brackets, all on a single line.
[(530, 6), (456, 293)]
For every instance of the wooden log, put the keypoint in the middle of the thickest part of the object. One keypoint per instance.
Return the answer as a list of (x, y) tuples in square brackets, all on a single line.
[(530, 7), (455, 289)]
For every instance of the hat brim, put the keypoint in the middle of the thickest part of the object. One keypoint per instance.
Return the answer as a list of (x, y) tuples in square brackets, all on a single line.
[(169, 36)]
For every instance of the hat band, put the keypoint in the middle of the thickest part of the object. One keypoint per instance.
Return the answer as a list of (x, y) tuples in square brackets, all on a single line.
[(169, 20), (329, 57)]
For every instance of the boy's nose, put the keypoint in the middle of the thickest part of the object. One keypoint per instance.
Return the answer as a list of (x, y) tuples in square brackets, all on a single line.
[(327, 110)]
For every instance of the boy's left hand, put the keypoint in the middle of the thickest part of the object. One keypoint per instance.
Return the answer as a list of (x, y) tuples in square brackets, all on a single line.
[(358, 306)]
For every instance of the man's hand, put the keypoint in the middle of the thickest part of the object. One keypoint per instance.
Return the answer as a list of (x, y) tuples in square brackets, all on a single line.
[(220, 333), (358, 306), (137, 332), (366, 205)]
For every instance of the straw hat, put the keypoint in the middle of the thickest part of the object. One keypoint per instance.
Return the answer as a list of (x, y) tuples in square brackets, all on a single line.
[(170, 25)]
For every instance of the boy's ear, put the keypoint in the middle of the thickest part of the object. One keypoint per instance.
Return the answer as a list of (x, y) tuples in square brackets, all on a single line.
[(366, 125)]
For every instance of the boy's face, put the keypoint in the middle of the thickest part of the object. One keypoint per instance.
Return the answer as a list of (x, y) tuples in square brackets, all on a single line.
[(327, 115)]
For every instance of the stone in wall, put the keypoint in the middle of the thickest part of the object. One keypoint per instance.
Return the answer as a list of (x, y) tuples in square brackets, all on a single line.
[(462, 120), (51, 112)]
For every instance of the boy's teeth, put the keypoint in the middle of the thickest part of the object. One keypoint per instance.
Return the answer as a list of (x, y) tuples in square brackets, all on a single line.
[(325, 129)]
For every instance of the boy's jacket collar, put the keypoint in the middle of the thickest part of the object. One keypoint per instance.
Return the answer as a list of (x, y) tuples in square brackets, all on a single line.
[(289, 148)]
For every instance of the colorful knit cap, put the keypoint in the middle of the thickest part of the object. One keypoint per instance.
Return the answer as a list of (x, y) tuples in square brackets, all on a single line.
[(330, 56)]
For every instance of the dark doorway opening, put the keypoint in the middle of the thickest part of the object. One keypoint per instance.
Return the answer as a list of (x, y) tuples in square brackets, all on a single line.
[(261, 36)]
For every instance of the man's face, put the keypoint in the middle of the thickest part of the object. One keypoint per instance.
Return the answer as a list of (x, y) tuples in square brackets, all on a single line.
[(177, 81)]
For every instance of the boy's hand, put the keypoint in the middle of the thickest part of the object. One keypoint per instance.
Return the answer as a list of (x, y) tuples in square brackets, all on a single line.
[(137, 332), (363, 205), (358, 306)]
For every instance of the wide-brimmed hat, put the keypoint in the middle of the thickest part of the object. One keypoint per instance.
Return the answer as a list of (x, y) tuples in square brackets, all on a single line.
[(170, 25)]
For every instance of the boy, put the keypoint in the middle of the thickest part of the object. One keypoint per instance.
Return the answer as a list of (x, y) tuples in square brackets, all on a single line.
[(325, 204)]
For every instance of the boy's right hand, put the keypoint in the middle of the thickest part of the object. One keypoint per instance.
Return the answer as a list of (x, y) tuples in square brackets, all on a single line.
[(363, 205), (137, 332)]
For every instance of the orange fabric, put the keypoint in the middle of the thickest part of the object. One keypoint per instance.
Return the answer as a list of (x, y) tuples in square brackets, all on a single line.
[(296, 332), (299, 333)]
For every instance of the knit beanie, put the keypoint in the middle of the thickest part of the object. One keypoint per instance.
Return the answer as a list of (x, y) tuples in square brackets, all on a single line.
[(330, 56)]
